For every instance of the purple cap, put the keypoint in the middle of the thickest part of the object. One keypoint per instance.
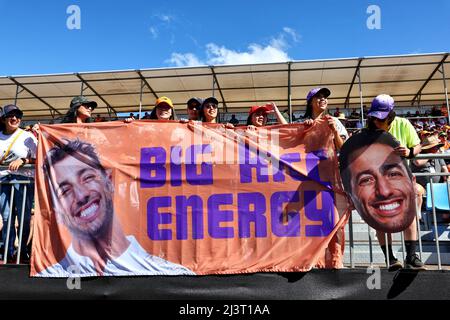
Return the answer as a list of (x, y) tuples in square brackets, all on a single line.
[(315, 91), (381, 106)]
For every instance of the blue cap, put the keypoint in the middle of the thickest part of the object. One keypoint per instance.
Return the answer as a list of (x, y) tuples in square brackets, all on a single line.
[(315, 91), (381, 106), (10, 108)]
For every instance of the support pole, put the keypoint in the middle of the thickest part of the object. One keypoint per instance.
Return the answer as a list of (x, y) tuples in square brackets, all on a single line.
[(446, 92), (361, 98), (140, 99), (289, 93)]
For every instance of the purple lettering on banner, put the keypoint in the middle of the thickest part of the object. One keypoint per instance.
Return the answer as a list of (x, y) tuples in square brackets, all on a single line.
[(247, 164), (196, 205), (247, 216), (152, 173), (285, 162), (216, 216), (325, 215), (175, 166), (312, 165), (206, 175), (281, 228), (154, 218)]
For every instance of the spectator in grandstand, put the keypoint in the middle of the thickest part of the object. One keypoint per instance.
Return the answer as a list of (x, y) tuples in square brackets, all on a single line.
[(18, 148), (444, 110), (81, 194), (193, 108), (354, 114), (381, 116), (443, 139), (257, 115), (146, 116), (378, 180), (316, 110), (337, 112), (233, 120), (435, 112), (430, 144), (209, 112), (80, 110), (99, 118), (163, 110)]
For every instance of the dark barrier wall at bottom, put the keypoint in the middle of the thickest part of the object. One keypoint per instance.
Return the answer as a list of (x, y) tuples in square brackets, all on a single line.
[(316, 284)]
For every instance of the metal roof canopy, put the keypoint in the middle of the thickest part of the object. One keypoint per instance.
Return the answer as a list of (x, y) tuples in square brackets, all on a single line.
[(410, 79)]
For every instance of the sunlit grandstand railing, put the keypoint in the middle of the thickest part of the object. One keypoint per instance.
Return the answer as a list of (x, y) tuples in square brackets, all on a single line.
[(20, 215), (351, 242)]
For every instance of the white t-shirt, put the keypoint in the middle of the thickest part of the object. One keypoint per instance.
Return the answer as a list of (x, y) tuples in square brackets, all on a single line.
[(135, 261), (340, 128), (24, 147)]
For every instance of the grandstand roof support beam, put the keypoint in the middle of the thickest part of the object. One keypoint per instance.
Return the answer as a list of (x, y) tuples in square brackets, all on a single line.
[(147, 84), (225, 107), (97, 94), (429, 78), (17, 93), (361, 100), (289, 92), (347, 99), (51, 109), (140, 98), (442, 71)]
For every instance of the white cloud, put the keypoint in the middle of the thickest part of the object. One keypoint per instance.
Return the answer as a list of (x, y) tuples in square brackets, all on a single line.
[(275, 51), (154, 32), (165, 17), (295, 36), (255, 54), (181, 60)]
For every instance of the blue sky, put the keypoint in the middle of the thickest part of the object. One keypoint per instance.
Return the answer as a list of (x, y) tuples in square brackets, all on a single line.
[(132, 34)]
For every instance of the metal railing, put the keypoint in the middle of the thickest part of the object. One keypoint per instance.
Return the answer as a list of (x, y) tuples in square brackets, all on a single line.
[(13, 201), (351, 242)]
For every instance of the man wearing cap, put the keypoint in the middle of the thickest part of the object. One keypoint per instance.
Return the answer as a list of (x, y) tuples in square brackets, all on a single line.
[(381, 116), (317, 108), (17, 148), (193, 108), (80, 110)]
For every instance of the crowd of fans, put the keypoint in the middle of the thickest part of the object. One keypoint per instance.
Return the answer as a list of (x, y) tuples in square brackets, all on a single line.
[(433, 135)]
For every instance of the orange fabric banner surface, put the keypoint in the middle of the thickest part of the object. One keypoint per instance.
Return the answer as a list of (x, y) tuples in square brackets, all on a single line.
[(169, 198)]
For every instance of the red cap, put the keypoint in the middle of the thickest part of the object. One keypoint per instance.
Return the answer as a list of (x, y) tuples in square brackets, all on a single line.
[(253, 109)]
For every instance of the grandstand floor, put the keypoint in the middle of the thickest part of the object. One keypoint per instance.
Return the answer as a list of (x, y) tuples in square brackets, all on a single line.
[(314, 285)]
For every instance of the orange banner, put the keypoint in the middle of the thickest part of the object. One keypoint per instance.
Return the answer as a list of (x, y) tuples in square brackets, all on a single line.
[(169, 198)]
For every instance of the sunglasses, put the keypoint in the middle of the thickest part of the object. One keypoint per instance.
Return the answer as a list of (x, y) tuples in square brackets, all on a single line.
[(10, 115), (210, 105), (88, 106)]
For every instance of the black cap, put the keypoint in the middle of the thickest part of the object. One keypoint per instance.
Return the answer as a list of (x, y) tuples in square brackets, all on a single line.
[(82, 100), (198, 101), (210, 99), (10, 108)]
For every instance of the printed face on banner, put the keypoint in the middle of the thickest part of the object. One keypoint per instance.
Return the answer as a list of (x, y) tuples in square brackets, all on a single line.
[(83, 197), (382, 189)]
